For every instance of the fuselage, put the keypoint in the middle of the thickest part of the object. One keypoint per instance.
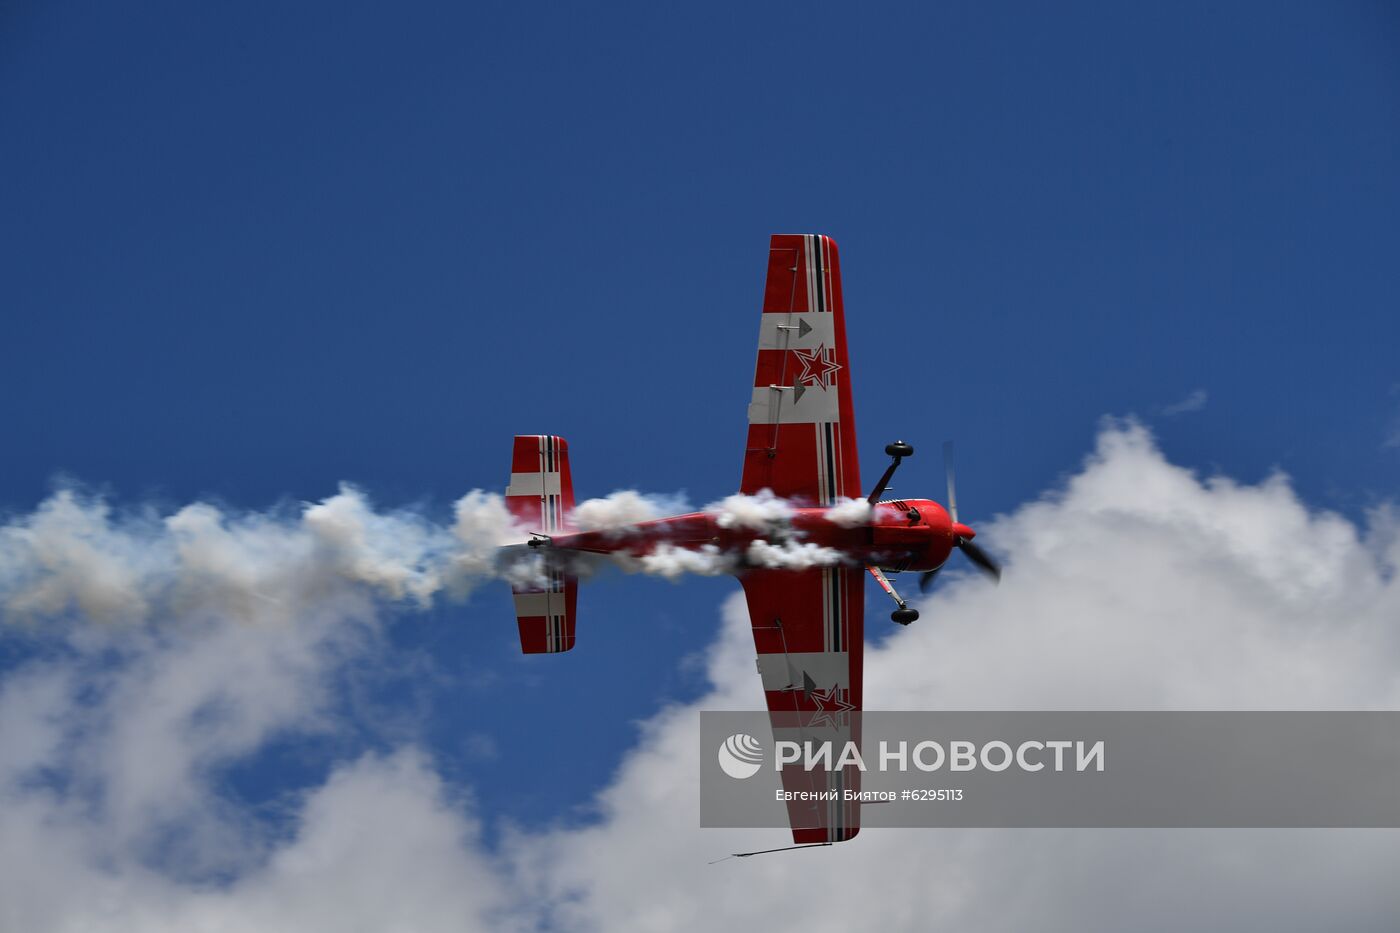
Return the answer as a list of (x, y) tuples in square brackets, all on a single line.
[(894, 535)]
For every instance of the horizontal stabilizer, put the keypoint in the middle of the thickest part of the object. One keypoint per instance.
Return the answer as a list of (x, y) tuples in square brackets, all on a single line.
[(541, 490), (546, 615), (541, 497)]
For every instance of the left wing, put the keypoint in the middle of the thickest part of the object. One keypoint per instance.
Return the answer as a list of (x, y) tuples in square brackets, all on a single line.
[(809, 629), (802, 429)]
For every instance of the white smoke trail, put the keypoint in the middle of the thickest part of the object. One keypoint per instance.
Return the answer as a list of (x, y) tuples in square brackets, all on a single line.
[(672, 562), (401, 554), (850, 513), (76, 556), (792, 555), (625, 507), (482, 527), (760, 512), (763, 512)]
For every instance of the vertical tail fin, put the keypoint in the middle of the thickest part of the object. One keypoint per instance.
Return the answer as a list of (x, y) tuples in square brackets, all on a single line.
[(541, 497)]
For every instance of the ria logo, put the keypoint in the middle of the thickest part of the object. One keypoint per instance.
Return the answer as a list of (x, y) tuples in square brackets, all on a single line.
[(741, 756)]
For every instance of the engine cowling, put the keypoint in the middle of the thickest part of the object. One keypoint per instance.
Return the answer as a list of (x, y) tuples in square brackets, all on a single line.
[(911, 534)]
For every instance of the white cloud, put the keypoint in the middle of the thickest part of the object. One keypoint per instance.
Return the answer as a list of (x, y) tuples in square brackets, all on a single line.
[(1194, 401), (1391, 437), (382, 845), (1136, 585)]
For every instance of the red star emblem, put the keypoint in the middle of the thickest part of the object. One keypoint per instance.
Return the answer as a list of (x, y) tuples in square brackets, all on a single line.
[(819, 366), (831, 706)]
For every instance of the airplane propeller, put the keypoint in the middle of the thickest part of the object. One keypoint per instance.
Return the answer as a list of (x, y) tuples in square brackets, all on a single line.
[(980, 558)]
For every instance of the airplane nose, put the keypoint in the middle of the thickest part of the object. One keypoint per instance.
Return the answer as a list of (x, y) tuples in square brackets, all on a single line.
[(962, 531)]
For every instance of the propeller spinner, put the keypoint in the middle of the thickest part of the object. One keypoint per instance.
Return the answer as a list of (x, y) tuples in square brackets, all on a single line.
[(962, 534)]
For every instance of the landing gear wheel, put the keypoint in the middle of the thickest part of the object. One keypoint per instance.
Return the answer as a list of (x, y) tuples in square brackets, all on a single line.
[(899, 449), (904, 616)]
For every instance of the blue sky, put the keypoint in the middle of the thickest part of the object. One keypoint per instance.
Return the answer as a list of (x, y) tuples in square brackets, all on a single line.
[(253, 252)]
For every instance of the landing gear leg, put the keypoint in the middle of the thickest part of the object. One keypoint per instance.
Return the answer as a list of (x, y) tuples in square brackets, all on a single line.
[(898, 450), (903, 615)]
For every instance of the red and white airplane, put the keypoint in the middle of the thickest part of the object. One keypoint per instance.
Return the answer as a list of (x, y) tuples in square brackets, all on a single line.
[(808, 624)]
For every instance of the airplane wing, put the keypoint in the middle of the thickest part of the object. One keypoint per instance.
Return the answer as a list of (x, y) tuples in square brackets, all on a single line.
[(802, 430), (809, 629)]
